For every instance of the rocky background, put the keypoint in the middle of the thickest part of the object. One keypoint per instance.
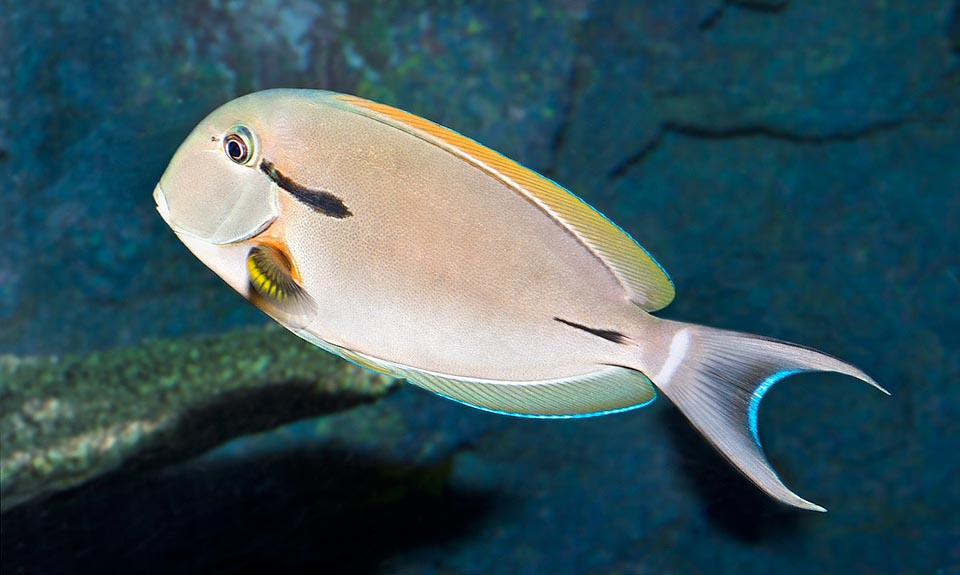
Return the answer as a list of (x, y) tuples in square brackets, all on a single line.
[(795, 164)]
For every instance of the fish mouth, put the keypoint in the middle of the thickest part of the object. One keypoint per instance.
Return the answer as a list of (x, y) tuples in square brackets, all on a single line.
[(161, 201)]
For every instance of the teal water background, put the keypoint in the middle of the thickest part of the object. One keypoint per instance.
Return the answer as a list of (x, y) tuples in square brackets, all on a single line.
[(795, 166)]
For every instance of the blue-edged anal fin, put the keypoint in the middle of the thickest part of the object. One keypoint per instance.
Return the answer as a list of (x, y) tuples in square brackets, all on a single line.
[(609, 389), (717, 379)]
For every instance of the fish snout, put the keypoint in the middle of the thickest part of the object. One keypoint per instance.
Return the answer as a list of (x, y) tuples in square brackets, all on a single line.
[(161, 201)]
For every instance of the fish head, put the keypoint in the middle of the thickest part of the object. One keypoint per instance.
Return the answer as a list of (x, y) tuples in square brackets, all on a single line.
[(220, 195), (213, 190)]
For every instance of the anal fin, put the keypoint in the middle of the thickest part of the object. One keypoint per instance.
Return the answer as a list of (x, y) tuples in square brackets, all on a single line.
[(610, 389)]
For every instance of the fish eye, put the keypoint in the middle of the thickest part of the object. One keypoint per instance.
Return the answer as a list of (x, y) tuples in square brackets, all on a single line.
[(238, 145)]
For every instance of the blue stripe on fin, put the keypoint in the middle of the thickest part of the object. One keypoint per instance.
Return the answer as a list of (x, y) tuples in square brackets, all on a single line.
[(610, 389), (758, 394), (540, 416)]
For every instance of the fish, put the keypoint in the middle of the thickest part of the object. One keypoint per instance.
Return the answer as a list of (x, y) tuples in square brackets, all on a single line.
[(414, 251)]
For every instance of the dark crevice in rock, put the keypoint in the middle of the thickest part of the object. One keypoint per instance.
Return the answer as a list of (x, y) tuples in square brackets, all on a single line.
[(713, 18), (636, 159), (774, 133), (706, 133), (716, 15), (772, 6)]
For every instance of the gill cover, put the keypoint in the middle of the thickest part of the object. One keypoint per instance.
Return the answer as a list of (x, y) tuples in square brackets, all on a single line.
[(207, 195)]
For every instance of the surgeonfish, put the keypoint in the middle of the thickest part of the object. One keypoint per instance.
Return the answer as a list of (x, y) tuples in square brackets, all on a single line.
[(414, 251)]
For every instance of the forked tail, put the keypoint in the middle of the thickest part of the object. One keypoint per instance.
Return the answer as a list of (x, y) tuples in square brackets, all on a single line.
[(717, 379)]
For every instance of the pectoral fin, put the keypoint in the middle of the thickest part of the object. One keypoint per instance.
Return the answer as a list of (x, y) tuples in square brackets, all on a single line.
[(274, 283)]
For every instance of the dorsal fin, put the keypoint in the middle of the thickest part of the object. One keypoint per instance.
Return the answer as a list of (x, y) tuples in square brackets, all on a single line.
[(645, 280)]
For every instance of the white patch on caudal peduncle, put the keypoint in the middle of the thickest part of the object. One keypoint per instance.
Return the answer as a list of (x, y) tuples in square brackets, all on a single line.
[(678, 349)]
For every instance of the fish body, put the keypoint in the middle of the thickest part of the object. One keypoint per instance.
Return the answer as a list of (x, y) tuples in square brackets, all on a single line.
[(412, 250)]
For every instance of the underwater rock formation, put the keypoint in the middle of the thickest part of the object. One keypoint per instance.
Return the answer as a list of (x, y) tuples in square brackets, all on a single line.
[(794, 169), (66, 420), (746, 67)]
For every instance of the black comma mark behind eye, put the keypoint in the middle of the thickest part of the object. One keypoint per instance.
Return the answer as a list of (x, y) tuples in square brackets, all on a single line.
[(238, 145)]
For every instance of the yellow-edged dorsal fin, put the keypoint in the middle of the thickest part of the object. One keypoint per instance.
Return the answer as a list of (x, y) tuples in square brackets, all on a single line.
[(645, 280)]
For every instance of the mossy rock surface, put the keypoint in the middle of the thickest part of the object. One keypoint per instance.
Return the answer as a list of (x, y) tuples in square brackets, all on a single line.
[(65, 420)]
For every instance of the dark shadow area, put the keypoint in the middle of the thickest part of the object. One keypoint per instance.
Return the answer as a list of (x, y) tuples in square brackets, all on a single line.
[(244, 412), (730, 501), (303, 511)]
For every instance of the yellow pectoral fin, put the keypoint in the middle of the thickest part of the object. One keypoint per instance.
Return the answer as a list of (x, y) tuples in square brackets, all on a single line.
[(274, 282), (645, 280)]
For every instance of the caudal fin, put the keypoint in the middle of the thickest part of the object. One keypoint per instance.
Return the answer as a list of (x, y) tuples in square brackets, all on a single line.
[(717, 379)]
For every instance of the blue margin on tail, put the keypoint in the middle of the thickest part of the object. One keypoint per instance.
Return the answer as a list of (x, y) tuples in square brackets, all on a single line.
[(758, 394)]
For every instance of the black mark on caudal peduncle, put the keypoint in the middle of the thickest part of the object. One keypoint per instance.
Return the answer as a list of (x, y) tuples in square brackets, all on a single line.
[(320, 201), (607, 334)]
